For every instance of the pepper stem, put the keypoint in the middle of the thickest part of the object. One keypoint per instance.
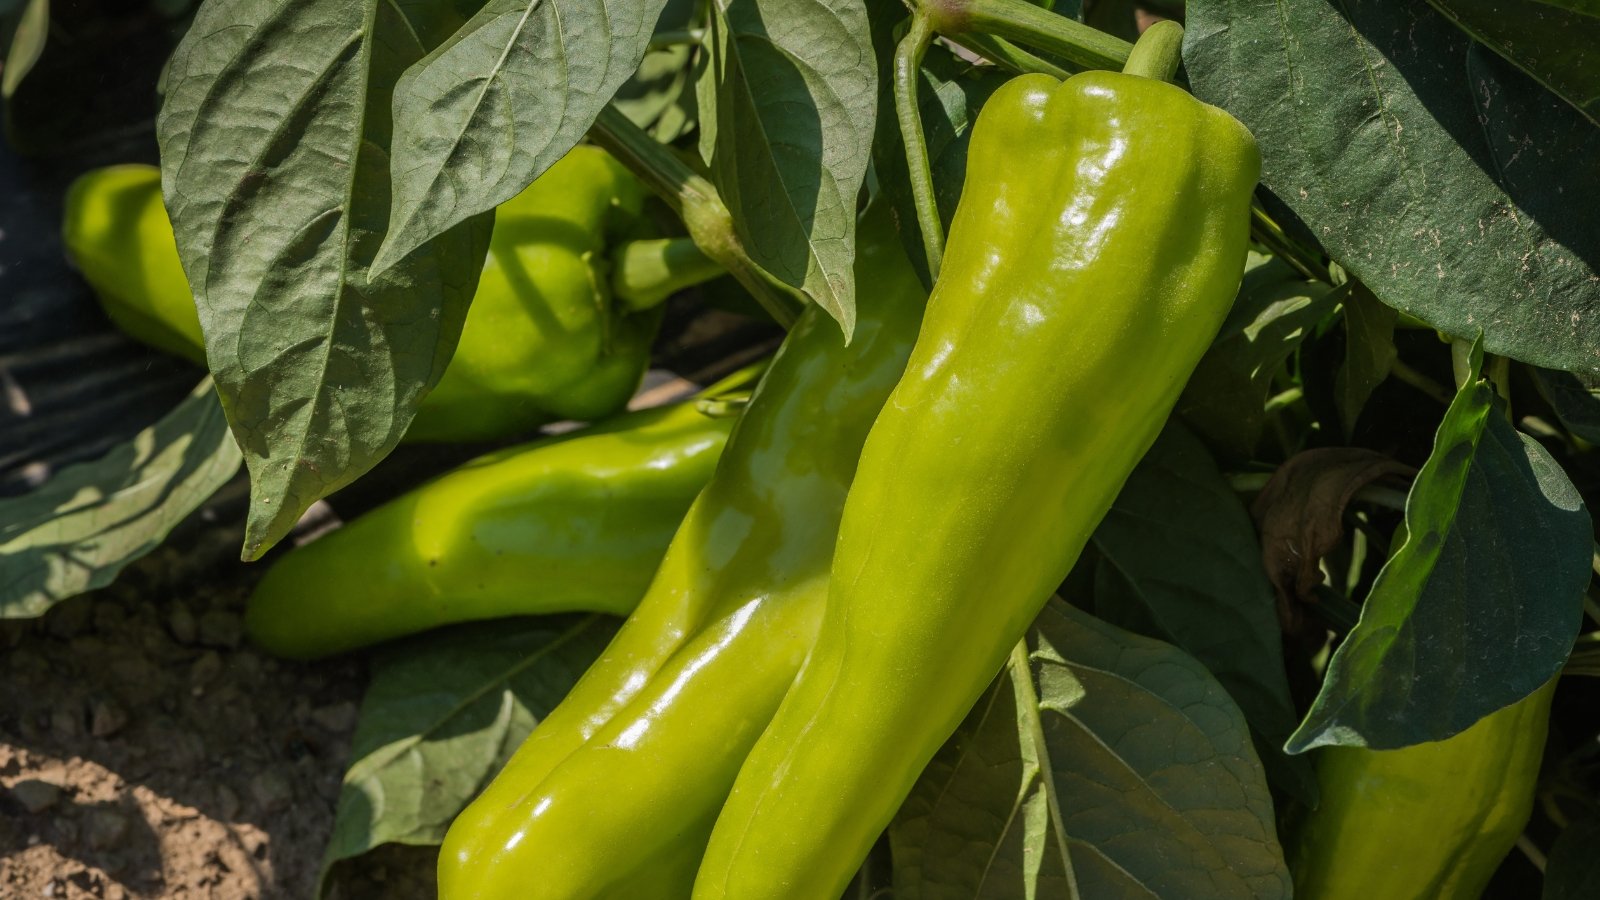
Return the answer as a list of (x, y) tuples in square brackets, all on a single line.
[(1157, 53), (646, 272), (907, 72), (1021, 21)]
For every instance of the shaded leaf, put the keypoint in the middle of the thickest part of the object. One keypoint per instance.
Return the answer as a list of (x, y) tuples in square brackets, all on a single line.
[(500, 101), (78, 530), (273, 135), (1448, 182), (1479, 605), (442, 714), (786, 110), (1576, 400), (1179, 562), (1572, 871), (1369, 352), (659, 97), (1301, 513), (1100, 764), (1560, 47), (1276, 310)]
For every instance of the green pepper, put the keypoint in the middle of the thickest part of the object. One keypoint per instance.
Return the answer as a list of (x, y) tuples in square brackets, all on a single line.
[(1427, 822), (1077, 294), (542, 339), (575, 522), (614, 793)]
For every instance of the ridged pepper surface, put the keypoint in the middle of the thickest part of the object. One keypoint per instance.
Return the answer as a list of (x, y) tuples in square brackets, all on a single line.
[(614, 793), (1096, 248)]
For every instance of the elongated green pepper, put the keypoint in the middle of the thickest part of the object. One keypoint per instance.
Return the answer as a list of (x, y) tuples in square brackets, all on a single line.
[(543, 339), (614, 794), (1077, 294), (1429, 822), (575, 522)]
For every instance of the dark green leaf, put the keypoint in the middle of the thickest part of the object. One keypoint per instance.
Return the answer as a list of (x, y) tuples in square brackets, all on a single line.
[(1559, 47), (1573, 870), (786, 111), (1179, 561), (1576, 400), (1369, 351), (443, 713), (1100, 764), (80, 528), (1276, 310), (274, 134), (482, 116), (1478, 607), (23, 32), (1447, 181)]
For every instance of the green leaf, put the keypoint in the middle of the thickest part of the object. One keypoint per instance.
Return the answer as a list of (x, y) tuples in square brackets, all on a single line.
[(81, 527), (24, 38), (273, 135), (786, 110), (1573, 869), (1558, 47), (1179, 561), (442, 714), (497, 104), (1276, 310), (1100, 764), (1576, 400), (1448, 182), (659, 97), (1369, 352), (1478, 607)]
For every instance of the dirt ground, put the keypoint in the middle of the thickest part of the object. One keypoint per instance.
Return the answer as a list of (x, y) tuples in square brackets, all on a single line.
[(147, 751)]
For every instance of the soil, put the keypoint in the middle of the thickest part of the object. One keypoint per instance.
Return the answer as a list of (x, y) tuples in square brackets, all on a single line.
[(146, 750)]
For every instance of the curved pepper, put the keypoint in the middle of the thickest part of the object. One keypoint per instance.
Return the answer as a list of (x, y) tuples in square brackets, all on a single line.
[(614, 794), (1077, 294), (1428, 822), (542, 339), (575, 522)]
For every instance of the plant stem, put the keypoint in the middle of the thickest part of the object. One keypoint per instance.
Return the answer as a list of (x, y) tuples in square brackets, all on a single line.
[(1032, 26), (1007, 55), (1157, 53), (696, 201), (665, 39), (1270, 234), (646, 272), (1407, 375), (907, 73)]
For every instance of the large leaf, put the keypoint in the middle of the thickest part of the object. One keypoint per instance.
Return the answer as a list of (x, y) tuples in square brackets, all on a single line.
[(1576, 400), (1559, 47), (443, 714), (274, 134), (1100, 764), (1276, 310), (486, 113), (1478, 607), (1447, 181), (80, 528), (786, 113), (1179, 561)]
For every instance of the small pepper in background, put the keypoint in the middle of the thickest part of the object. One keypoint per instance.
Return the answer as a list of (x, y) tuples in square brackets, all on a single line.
[(1096, 249), (543, 339), (615, 792), (1427, 822), (574, 522)]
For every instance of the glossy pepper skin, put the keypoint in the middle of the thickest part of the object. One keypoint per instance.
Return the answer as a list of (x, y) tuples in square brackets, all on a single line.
[(542, 339), (575, 522), (1428, 822), (1097, 246), (614, 794)]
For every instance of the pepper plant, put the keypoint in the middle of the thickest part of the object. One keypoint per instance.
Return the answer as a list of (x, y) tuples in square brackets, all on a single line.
[(1172, 483)]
